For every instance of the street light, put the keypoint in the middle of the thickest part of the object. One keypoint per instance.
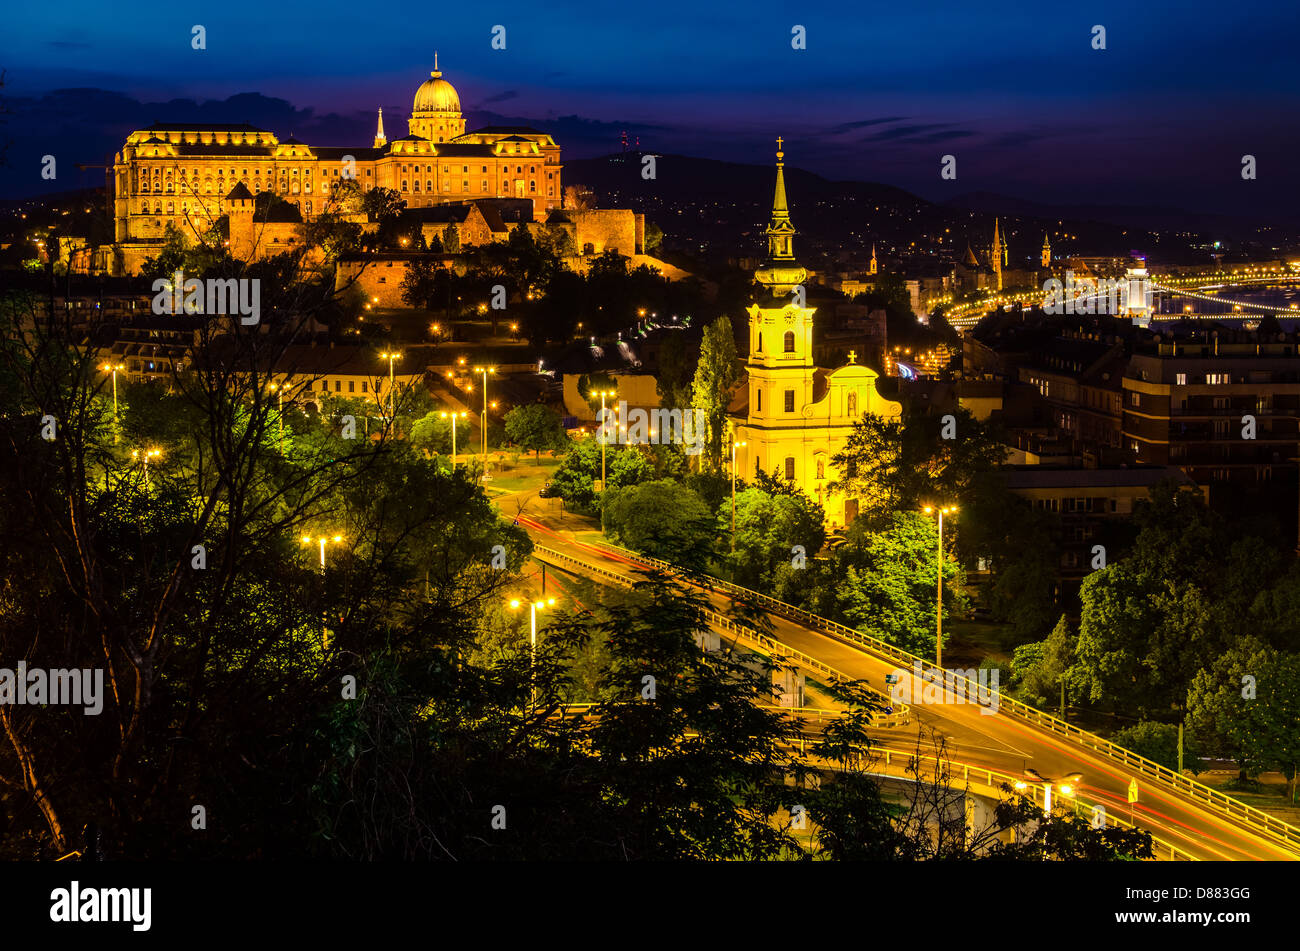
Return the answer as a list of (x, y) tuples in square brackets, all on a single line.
[(113, 368), (1066, 786), (485, 371), (734, 447), (938, 614), (145, 457), (390, 356), (322, 541), (604, 436), (278, 390), (453, 417), (532, 624)]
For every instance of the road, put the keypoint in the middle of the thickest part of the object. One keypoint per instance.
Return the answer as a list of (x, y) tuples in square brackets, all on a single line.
[(998, 741)]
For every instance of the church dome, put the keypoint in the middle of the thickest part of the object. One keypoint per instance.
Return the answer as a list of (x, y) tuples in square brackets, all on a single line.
[(436, 94)]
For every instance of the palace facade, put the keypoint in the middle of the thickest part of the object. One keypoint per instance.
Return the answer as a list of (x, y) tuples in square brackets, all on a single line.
[(790, 415), (184, 175)]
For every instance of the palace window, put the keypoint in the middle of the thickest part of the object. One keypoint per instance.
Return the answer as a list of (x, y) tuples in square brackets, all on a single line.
[(404, 188), (789, 468), (550, 190), (428, 185), (485, 186), (532, 186), (309, 207), (464, 170), (789, 341), (417, 185), (171, 207), (464, 186), (484, 169)]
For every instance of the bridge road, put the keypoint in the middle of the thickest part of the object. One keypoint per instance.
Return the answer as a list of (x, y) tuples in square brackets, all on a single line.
[(998, 741)]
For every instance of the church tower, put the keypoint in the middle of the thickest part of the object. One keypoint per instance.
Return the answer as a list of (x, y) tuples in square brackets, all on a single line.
[(780, 327), (1047, 252), (997, 254), (874, 267), (380, 139), (797, 416)]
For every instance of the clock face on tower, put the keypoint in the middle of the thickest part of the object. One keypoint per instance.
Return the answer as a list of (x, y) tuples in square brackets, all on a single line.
[(789, 315)]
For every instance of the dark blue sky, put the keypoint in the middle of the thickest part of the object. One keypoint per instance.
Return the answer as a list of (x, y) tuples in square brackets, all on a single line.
[(1014, 90)]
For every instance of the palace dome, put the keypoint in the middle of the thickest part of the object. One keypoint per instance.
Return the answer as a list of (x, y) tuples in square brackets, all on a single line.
[(436, 94)]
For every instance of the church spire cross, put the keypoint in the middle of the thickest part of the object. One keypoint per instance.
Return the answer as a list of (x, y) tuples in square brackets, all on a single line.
[(853, 356)]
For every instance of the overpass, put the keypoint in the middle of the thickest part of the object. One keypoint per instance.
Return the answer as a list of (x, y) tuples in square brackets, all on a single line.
[(1189, 819)]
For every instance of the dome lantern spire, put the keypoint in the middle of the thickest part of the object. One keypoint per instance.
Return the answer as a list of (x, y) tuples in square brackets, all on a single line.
[(781, 272)]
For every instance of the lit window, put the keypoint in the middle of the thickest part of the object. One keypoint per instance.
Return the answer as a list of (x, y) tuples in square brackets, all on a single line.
[(789, 468), (789, 341), (789, 401), (1180, 379)]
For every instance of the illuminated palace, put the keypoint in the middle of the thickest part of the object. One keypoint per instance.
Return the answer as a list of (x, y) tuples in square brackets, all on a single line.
[(793, 416), (183, 174)]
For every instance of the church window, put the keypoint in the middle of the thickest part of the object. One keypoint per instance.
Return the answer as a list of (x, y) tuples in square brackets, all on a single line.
[(789, 341), (760, 400), (789, 468), (760, 342), (853, 404), (789, 401)]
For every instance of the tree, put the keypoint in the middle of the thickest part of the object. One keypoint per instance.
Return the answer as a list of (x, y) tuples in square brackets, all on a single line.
[(663, 519), (535, 427), (715, 375), (1158, 742), (889, 579), (768, 529), (431, 434), (673, 379), (1246, 704), (894, 464), (1038, 670)]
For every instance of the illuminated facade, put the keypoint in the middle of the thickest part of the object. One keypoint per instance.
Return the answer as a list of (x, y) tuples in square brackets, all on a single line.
[(183, 174), (794, 416)]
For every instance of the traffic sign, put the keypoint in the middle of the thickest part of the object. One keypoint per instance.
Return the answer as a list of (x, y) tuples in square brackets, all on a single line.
[(1132, 790)]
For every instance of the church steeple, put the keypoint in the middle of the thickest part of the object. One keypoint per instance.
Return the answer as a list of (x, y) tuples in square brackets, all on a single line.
[(997, 254), (780, 232), (781, 272), (380, 139), (874, 266), (1047, 251)]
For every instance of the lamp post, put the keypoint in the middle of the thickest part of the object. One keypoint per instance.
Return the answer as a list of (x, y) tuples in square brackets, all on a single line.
[(113, 368), (485, 371), (604, 436), (1066, 786), (453, 417), (278, 390), (145, 457), (532, 624), (322, 541), (390, 356), (938, 614), (734, 446)]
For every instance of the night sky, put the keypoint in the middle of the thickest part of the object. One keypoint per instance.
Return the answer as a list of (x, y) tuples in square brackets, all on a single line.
[(1014, 90)]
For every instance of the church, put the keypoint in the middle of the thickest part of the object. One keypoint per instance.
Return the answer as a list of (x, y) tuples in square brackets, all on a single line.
[(174, 173), (790, 416)]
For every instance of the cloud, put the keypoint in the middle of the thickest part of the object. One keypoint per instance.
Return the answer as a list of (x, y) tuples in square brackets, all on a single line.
[(861, 124), (502, 96)]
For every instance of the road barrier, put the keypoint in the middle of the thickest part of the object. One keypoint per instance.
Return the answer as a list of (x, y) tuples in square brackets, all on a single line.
[(1256, 819), (894, 715)]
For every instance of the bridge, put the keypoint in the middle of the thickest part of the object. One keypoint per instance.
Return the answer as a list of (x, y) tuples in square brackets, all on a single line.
[(1189, 820), (963, 317)]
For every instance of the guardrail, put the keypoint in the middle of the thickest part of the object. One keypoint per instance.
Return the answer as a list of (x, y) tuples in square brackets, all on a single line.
[(992, 778), (898, 714), (1269, 826)]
